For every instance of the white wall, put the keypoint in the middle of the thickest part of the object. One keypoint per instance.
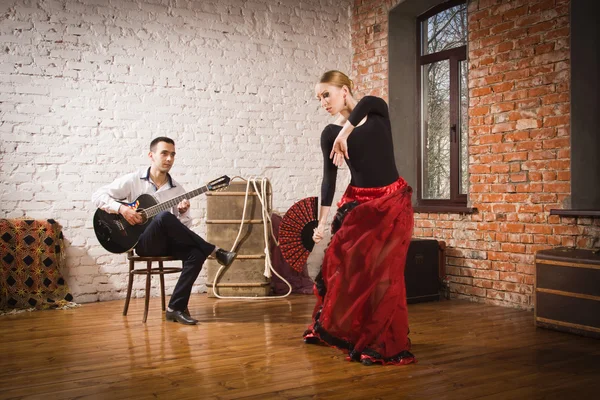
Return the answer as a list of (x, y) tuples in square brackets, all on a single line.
[(85, 85)]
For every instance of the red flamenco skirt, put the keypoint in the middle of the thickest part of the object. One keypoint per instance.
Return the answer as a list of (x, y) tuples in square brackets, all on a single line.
[(361, 298)]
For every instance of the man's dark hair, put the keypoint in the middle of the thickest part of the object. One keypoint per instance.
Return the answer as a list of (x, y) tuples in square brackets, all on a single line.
[(158, 140)]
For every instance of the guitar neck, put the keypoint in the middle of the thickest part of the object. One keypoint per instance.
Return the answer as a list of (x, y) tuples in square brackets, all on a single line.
[(164, 206)]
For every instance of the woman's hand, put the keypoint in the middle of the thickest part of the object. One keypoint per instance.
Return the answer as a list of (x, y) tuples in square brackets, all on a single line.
[(339, 150), (318, 233)]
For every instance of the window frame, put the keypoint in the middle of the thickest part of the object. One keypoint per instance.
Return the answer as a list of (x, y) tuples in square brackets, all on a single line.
[(454, 56)]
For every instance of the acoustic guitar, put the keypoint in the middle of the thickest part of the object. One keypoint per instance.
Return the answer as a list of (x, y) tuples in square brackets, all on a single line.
[(117, 235)]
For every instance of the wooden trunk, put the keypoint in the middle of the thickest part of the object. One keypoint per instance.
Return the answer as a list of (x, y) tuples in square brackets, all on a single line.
[(425, 265), (224, 215), (567, 291)]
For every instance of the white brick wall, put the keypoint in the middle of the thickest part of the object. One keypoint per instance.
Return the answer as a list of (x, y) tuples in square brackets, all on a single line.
[(85, 85)]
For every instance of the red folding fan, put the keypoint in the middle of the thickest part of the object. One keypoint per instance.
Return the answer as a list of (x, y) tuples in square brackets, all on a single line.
[(296, 231)]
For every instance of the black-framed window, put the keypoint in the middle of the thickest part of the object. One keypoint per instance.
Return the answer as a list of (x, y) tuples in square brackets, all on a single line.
[(442, 158)]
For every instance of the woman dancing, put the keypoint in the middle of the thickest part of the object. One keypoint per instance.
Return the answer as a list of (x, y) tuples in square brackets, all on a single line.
[(361, 297)]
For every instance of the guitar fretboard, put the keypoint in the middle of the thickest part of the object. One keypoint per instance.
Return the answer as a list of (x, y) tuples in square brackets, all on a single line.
[(152, 211)]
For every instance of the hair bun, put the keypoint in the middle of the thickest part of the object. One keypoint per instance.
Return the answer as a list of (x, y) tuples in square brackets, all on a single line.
[(337, 78)]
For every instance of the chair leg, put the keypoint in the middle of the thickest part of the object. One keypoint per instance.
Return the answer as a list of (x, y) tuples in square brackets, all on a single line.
[(162, 285), (129, 287), (148, 277)]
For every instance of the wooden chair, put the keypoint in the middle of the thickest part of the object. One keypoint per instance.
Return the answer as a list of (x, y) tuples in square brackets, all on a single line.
[(148, 271)]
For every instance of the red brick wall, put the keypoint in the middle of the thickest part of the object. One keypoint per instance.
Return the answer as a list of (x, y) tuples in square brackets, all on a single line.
[(518, 143), (369, 41)]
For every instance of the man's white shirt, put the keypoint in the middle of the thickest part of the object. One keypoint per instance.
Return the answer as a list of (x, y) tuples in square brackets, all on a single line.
[(127, 188)]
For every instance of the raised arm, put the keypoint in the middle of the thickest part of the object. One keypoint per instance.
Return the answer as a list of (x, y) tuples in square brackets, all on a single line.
[(368, 105)]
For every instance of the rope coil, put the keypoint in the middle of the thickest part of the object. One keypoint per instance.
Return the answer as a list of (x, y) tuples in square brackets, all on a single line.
[(267, 229)]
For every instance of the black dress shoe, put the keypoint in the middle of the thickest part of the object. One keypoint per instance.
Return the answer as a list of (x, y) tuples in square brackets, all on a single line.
[(181, 317), (187, 314), (225, 257)]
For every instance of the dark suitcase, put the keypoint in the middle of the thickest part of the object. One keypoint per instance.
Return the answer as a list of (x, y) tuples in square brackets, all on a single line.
[(567, 290), (425, 264)]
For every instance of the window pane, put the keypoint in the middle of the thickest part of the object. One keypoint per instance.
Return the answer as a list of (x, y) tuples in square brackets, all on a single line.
[(435, 127), (464, 128), (445, 30)]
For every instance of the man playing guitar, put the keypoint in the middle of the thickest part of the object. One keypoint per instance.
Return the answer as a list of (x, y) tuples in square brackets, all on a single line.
[(168, 233)]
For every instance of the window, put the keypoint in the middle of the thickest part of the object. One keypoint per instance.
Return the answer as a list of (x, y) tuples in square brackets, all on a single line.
[(442, 172)]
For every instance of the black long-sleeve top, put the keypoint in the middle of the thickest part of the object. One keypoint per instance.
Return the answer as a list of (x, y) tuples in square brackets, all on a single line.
[(370, 149)]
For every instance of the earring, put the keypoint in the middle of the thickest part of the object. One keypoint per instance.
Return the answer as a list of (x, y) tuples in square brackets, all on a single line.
[(345, 101)]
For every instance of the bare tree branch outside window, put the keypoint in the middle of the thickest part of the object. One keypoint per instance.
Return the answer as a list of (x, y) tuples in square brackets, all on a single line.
[(440, 32)]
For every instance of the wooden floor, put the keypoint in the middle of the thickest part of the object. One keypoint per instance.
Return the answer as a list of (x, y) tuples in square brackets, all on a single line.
[(253, 350)]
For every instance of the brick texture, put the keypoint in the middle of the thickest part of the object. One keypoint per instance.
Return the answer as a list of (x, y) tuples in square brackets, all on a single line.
[(86, 84), (519, 156)]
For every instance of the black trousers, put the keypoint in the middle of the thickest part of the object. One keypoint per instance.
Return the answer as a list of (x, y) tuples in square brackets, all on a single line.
[(166, 235)]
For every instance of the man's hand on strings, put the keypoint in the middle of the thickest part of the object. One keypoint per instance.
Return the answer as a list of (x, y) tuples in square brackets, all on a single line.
[(183, 206)]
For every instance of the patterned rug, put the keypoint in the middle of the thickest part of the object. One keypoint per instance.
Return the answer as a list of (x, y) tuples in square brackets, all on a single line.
[(31, 261)]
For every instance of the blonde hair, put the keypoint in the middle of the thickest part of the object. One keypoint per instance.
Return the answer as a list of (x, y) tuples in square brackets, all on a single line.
[(338, 79)]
